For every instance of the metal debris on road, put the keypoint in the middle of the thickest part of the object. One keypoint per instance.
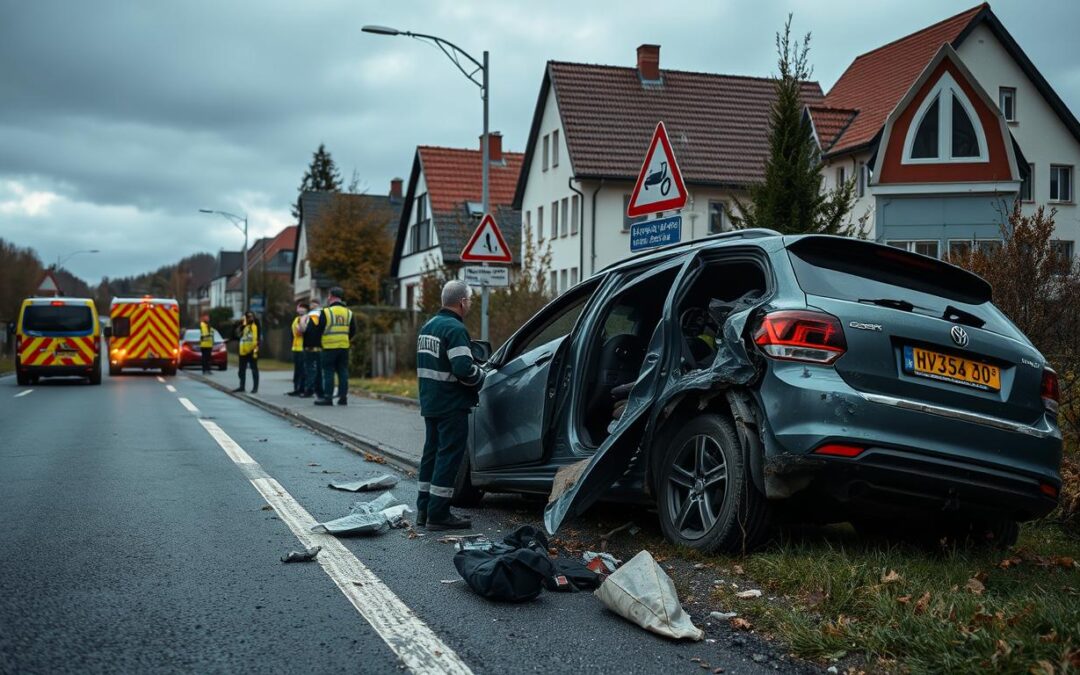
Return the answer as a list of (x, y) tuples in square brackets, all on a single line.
[(380, 482), (641, 592), (306, 555)]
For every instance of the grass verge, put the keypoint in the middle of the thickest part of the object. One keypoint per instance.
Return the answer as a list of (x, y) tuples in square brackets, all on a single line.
[(832, 596), (396, 386), (7, 364)]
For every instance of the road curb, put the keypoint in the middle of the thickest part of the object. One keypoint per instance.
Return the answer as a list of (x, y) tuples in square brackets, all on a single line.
[(357, 444), (390, 398)]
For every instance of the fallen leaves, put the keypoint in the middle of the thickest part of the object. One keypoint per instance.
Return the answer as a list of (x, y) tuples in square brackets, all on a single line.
[(739, 623), (370, 457), (922, 603), (891, 577), (974, 586)]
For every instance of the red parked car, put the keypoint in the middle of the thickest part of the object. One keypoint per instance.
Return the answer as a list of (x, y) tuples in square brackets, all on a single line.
[(191, 354)]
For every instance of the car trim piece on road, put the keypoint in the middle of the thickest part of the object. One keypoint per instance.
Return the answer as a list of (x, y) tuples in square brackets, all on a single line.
[(943, 411)]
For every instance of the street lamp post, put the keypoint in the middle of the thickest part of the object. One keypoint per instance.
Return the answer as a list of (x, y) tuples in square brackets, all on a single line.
[(454, 53), (61, 260), (236, 220)]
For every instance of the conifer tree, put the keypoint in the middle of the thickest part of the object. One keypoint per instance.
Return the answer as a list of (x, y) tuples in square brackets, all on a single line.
[(791, 199), (321, 176)]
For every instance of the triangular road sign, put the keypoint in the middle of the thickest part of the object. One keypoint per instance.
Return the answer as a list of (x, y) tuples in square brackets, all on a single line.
[(660, 185), (487, 244)]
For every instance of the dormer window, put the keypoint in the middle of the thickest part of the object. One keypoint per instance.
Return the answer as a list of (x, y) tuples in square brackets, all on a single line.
[(945, 128)]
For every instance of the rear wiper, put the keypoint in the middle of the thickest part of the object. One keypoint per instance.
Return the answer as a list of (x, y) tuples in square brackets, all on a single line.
[(957, 315), (902, 305)]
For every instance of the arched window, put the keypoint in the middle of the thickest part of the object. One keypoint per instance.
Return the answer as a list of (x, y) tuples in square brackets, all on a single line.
[(945, 128)]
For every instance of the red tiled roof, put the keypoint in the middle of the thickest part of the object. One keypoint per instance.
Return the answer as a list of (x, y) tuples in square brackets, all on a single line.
[(283, 241), (718, 124), (829, 123), (876, 81), (453, 176)]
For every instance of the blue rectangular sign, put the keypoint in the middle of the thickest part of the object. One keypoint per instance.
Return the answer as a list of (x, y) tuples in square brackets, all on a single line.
[(653, 233)]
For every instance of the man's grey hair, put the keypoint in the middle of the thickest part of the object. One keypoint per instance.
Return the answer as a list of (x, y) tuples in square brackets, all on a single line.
[(454, 292)]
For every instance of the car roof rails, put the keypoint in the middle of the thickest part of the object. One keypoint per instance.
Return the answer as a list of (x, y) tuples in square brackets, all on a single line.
[(749, 233)]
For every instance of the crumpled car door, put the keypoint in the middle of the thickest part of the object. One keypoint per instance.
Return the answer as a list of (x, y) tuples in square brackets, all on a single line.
[(612, 457)]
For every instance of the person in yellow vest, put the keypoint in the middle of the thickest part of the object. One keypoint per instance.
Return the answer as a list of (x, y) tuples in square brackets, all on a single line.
[(298, 351), (206, 342), (337, 328), (249, 351)]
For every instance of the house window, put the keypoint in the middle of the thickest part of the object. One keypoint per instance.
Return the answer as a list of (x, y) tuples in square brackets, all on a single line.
[(574, 273), (716, 217), (575, 212), (626, 220), (1062, 249), (564, 221), (1061, 184), (547, 147), (528, 223), (841, 176), (1007, 103), (555, 148), (555, 219), (860, 182), (554, 282), (945, 128), (563, 280), (927, 247), (962, 248), (1027, 189), (540, 223)]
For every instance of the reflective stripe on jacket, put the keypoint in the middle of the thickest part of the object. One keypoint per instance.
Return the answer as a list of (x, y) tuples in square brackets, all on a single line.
[(249, 340), (338, 320), (206, 335), (448, 376), (297, 336)]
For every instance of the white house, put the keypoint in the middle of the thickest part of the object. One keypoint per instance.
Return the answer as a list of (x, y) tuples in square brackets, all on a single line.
[(442, 208), (590, 131), (963, 89)]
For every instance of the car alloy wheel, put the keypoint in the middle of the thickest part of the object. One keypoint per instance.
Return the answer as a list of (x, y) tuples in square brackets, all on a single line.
[(698, 483)]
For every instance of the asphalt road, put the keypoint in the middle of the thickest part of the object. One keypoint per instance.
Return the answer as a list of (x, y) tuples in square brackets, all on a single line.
[(136, 539)]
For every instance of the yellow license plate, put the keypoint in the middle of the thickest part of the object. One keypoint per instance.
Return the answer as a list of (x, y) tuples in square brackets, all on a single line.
[(954, 369)]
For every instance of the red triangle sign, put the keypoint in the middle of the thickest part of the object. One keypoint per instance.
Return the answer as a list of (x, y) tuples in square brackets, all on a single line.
[(487, 244), (660, 184)]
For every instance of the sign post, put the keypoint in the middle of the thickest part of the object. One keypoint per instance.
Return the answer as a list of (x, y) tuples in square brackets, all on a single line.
[(486, 246), (659, 188)]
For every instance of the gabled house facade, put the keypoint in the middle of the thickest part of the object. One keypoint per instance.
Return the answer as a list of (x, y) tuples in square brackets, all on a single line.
[(443, 207), (943, 130), (308, 282), (228, 262), (590, 131)]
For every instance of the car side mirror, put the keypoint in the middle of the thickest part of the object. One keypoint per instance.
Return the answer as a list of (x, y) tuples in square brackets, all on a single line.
[(481, 350), (108, 331)]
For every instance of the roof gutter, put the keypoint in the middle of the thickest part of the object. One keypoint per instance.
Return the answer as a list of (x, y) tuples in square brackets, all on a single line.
[(592, 235), (581, 219)]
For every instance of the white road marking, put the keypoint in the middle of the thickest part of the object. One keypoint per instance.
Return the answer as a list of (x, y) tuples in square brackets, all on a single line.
[(161, 379), (170, 388), (188, 404), (420, 650), (23, 393)]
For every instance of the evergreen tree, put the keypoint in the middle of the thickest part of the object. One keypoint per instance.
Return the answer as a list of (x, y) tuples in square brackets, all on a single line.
[(791, 199), (321, 176)]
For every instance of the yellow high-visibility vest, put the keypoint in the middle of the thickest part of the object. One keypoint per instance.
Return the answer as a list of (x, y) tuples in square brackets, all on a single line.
[(297, 336), (206, 335), (249, 340), (336, 330)]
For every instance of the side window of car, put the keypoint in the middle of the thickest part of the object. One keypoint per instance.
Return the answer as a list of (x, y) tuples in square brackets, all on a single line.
[(552, 324)]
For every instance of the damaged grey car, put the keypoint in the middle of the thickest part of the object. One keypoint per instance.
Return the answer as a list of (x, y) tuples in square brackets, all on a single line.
[(750, 377)]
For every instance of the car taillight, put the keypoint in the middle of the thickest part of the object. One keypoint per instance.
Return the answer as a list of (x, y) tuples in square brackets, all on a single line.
[(839, 450), (1051, 394), (798, 335)]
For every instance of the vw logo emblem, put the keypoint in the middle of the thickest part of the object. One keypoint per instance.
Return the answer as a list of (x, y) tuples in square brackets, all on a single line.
[(959, 336)]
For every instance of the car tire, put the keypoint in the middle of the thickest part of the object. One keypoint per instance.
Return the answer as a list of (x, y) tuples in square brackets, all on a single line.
[(21, 378), (222, 368), (95, 374), (465, 495), (169, 371), (706, 498)]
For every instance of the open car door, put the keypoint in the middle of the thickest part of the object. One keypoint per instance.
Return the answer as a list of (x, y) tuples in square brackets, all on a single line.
[(592, 477)]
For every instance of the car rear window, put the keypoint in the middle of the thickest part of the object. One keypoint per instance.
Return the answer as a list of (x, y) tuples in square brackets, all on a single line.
[(849, 269), (58, 319)]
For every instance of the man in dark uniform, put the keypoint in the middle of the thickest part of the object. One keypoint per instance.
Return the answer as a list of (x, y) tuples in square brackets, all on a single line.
[(309, 326), (449, 380)]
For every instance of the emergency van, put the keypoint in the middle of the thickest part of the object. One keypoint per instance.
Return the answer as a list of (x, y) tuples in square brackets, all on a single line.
[(144, 333), (57, 337)]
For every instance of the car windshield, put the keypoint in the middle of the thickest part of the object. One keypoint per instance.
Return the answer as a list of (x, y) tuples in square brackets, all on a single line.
[(58, 319)]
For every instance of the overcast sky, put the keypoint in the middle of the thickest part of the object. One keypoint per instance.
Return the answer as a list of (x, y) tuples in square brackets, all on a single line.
[(119, 120)]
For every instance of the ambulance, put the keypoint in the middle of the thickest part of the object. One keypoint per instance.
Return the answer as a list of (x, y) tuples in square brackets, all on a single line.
[(57, 337), (144, 333)]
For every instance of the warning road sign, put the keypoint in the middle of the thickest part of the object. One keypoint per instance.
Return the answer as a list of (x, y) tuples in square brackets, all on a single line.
[(487, 244), (660, 185)]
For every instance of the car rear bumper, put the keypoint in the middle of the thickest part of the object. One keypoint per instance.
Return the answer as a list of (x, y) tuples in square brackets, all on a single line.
[(144, 363), (915, 454), (58, 371)]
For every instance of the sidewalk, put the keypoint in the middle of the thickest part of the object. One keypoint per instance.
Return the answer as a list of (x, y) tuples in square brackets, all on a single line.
[(392, 429)]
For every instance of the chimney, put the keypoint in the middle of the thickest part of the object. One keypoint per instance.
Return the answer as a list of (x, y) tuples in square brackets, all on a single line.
[(648, 63), (495, 153), (395, 188)]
